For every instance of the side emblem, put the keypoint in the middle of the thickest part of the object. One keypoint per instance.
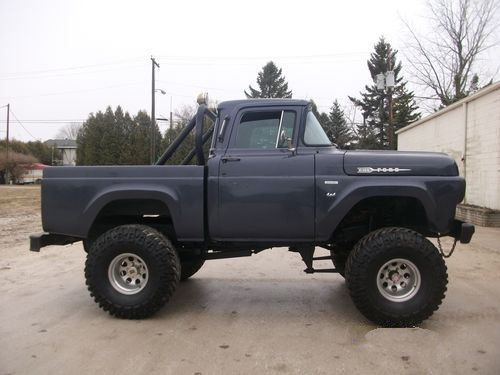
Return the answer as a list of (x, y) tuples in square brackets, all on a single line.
[(382, 170)]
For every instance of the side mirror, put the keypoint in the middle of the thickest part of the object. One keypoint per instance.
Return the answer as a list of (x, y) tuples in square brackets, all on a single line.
[(281, 139)]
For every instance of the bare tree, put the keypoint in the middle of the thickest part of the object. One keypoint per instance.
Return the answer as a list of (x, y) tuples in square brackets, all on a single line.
[(184, 114), (16, 165), (352, 116), (444, 61), (69, 131)]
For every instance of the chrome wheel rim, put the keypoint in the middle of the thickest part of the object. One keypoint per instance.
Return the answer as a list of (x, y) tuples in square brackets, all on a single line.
[(398, 280), (128, 273)]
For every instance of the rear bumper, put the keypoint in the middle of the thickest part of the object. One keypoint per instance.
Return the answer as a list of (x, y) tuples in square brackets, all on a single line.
[(462, 231), (39, 240)]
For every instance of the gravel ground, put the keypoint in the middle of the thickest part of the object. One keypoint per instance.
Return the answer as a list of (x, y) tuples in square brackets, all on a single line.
[(242, 316)]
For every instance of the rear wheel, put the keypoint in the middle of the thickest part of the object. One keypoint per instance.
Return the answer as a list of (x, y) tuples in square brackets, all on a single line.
[(132, 271), (396, 277)]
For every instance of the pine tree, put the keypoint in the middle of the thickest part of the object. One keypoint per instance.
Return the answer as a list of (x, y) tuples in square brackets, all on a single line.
[(336, 127), (367, 137), (111, 138), (271, 84), (322, 117), (374, 103), (140, 135)]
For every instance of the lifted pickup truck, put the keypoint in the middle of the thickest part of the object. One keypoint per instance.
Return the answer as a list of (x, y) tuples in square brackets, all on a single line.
[(272, 178)]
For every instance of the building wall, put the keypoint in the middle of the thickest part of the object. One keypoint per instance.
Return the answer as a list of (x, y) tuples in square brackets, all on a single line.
[(68, 156), (477, 116)]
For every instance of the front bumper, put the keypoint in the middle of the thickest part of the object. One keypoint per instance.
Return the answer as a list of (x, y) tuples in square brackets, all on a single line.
[(39, 240), (462, 231)]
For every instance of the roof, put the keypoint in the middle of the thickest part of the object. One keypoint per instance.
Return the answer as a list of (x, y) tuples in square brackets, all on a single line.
[(486, 90), (38, 166), (35, 166), (61, 143), (263, 102)]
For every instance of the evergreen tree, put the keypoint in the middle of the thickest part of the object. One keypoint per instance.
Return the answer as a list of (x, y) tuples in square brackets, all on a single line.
[(271, 84), (114, 138), (336, 127), (322, 117), (374, 103), (367, 137), (40, 151), (140, 139)]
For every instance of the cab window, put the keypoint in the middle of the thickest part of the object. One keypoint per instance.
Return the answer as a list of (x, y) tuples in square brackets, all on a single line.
[(265, 130), (314, 135)]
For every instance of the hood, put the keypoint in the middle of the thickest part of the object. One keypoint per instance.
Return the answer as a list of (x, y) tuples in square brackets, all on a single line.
[(398, 163)]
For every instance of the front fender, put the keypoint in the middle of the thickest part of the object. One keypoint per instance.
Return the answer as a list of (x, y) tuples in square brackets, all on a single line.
[(438, 196)]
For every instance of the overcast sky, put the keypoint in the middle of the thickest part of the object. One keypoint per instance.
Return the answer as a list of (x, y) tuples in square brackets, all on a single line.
[(61, 60)]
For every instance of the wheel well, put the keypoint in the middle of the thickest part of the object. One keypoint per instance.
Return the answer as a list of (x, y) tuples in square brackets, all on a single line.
[(378, 212), (152, 212)]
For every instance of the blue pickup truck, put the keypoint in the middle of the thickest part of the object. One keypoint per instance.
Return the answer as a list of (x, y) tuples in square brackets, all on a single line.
[(270, 178)]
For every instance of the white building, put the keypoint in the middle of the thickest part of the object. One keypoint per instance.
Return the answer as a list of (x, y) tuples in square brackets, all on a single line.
[(469, 131), (33, 174), (67, 148)]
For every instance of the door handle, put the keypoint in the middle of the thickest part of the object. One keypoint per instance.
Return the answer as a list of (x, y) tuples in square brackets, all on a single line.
[(226, 159)]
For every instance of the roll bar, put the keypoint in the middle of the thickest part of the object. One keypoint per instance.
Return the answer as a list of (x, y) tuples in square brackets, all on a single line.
[(201, 138)]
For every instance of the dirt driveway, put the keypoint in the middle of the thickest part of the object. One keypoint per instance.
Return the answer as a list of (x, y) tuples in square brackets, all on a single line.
[(258, 315)]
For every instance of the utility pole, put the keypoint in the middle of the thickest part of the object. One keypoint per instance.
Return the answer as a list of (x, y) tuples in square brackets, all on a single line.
[(7, 137), (153, 119), (389, 92), (171, 124), (7, 146), (386, 81)]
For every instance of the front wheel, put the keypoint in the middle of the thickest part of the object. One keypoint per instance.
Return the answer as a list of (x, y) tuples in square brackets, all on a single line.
[(132, 271), (396, 277)]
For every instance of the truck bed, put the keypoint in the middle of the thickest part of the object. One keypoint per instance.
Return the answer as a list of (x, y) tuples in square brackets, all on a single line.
[(72, 197)]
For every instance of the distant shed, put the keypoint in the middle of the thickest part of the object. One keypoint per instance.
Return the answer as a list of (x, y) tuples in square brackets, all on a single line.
[(33, 174), (67, 148)]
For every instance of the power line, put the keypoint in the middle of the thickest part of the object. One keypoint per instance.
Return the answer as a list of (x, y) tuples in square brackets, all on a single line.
[(181, 60), (69, 74), (197, 86), (264, 57), (77, 67), (48, 120), (76, 91), (20, 123)]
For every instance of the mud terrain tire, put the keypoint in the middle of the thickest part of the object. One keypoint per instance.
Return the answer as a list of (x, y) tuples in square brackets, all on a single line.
[(387, 258), (154, 266)]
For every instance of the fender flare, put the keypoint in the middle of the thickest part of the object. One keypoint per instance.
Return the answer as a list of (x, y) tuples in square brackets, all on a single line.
[(123, 192), (351, 196)]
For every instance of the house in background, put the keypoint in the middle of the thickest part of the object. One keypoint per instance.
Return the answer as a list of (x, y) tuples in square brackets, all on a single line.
[(468, 131), (33, 174), (67, 149)]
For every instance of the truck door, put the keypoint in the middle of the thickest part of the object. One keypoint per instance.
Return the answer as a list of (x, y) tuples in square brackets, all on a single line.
[(266, 191)]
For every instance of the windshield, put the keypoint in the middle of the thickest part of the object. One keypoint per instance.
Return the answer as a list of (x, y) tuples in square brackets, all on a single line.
[(314, 135)]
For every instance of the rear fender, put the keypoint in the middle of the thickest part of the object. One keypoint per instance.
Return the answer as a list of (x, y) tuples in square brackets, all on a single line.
[(116, 192)]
